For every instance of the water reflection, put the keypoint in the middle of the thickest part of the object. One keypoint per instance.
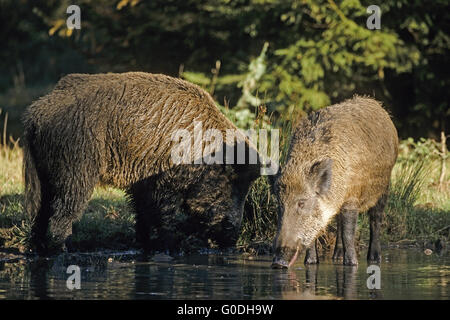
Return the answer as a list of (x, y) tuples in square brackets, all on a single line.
[(39, 272), (345, 281), (405, 274)]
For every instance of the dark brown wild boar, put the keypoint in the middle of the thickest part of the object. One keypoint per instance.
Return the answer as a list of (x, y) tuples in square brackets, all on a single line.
[(117, 129), (339, 162)]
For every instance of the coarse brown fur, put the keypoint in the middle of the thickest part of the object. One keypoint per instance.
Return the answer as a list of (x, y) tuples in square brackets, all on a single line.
[(116, 129), (340, 160)]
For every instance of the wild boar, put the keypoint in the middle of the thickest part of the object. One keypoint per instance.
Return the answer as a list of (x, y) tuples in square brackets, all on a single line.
[(117, 129), (339, 162)]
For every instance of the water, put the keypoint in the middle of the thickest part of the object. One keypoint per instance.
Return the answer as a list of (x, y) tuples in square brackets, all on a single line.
[(405, 274)]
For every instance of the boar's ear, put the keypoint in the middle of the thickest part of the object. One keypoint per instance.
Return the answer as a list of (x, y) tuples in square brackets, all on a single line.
[(320, 175)]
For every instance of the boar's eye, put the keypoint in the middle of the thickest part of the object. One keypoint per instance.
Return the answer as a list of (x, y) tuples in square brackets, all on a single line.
[(301, 204)]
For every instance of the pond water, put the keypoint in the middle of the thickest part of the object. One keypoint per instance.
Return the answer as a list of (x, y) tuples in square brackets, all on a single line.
[(405, 274)]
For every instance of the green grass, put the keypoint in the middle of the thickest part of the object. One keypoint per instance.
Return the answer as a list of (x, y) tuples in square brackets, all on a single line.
[(108, 222), (260, 218)]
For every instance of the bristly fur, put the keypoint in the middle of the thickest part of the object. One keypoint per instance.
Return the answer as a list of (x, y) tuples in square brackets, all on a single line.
[(116, 129), (358, 137)]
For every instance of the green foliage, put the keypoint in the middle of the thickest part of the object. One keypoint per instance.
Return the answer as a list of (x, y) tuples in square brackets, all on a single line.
[(242, 115), (256, 70), (319, 51), (243, 119), (197, 78), (333, 56)]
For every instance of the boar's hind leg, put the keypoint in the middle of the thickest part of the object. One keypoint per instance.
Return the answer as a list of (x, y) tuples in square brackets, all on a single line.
[(376, 218), (68, 209), (64, 198), (338, 254), (349, 222), (311, 254)]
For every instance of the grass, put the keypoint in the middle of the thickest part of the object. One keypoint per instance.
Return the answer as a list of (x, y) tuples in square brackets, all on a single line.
[(260, 218)]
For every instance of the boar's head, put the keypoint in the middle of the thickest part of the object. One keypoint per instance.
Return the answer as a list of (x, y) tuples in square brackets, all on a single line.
[(218, 201), (210, 198), (302, 192)]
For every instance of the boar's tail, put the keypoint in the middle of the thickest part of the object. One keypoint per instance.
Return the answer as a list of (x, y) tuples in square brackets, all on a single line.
[(32, 182)]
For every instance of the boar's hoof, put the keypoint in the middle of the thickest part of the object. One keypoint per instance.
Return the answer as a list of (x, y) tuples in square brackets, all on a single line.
[(350, 262), (338, 255), (311, 260), (374, 258)]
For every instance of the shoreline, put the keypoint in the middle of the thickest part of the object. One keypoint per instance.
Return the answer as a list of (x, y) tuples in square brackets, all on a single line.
[(13, 256)]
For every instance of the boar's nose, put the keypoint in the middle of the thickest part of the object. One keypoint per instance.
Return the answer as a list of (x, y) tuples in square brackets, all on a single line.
[(279, 263), (285, 257)]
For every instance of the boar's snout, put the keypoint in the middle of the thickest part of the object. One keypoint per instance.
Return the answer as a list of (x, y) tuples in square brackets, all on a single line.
[(279, 263), (284, 257)]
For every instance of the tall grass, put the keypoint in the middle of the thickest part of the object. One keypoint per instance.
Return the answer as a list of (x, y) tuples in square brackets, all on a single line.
[(14, 228), (407, 183), (259, 223)]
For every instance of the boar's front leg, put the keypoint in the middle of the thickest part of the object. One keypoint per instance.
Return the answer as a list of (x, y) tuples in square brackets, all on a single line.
[(311, 254), (148, 216), (349, 222), (376, 218)]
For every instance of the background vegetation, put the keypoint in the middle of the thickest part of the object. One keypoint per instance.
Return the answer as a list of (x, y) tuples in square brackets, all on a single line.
[(265, 62)]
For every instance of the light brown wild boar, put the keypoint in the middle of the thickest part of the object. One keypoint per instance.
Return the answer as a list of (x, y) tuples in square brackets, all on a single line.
[(339, 162)]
